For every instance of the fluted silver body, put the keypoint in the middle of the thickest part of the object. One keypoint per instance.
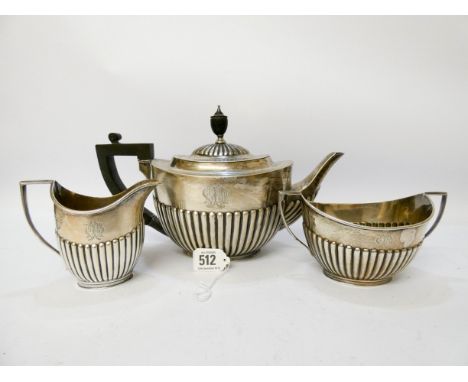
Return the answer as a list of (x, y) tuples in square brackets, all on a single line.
[(367, 243), (237, 233), (357, 265), (100, 239), (105, 263), (219, 196)]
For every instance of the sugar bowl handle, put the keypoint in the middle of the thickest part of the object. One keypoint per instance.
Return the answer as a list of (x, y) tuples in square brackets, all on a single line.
[(281, 201), (443, 202), (24, 200)]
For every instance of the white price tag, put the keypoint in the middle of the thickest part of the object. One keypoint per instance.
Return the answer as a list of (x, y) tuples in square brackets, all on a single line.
[(210, 260)]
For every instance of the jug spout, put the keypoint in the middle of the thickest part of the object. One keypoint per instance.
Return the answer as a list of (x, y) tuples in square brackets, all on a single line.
[(137, 194), (141, 190), (308, 187)]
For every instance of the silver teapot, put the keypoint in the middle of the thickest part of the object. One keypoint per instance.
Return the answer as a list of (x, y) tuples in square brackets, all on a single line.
[(220, 196)]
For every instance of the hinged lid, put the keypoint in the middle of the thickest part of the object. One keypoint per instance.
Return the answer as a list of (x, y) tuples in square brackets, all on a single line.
[(220, 157)]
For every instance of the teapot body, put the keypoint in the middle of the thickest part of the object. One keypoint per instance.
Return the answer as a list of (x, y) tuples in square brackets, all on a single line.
[(236, 213), (220, 196)]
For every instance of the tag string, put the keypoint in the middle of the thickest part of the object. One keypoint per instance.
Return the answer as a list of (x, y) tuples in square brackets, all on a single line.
[(205, 289)]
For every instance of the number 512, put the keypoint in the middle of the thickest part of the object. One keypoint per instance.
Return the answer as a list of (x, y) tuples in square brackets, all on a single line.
[(207, 260)]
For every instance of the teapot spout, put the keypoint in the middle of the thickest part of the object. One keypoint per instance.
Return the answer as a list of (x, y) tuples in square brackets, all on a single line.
[(308, 187)]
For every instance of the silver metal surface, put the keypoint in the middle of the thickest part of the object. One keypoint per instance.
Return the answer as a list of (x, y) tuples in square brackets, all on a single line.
[(229, 203), (367, 244), (355, 265), (105, 263), (237, 233), (220, 149), (222, 196), (99, 239), (24, 201)]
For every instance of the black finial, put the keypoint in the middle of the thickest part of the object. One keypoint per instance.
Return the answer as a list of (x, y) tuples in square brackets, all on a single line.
[(115, 137), (218, 111), (219, 123)]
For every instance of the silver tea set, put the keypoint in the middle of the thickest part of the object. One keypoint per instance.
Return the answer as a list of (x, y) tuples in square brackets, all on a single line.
[(223, 197)]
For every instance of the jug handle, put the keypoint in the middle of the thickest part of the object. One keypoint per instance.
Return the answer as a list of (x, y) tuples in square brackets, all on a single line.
[(24, 201), (106, 153), (443, 202), (281, 202)]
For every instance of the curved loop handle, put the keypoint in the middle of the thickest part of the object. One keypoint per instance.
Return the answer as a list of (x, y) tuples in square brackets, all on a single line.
[(443, 202), (24, 201), (106, 153), (281, 201)]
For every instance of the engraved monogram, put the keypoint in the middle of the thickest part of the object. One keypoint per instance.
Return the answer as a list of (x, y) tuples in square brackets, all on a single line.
[(215, 196), (383, 240), (94, 230)]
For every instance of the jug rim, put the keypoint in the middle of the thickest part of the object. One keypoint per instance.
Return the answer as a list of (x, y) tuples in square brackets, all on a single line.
[(114, 200), (366, 227)]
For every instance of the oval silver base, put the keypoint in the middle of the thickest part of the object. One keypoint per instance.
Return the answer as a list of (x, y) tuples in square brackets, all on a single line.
[(105, 284), (356, 281)]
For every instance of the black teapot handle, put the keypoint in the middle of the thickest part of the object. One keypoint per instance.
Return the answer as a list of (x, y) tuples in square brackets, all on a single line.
[(107, 152)]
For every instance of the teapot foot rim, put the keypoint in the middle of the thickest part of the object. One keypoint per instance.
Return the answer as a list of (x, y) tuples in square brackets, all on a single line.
[(104, 284), (356, 281), (236, 257)]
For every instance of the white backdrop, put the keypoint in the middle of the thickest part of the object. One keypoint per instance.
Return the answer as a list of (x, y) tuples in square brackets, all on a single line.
[(390, 92)]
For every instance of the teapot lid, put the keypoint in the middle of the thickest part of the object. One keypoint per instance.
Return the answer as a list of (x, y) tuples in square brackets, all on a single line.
[(220, 156), (220, 148)]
